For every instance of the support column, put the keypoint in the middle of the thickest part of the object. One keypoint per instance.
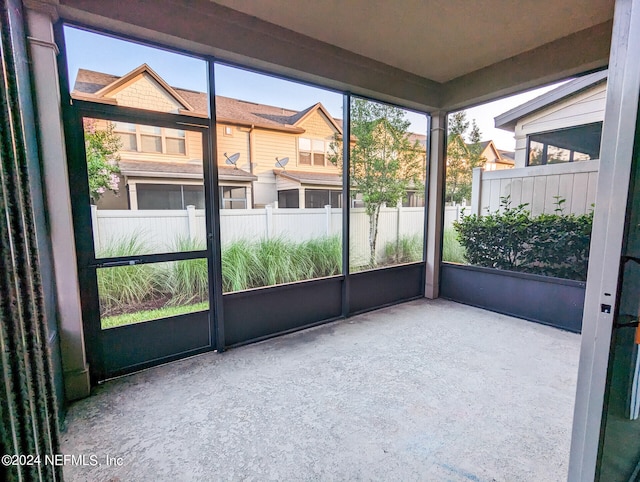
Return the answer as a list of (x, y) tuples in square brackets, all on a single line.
[(301, 197), (476, 191), (133, 195), (435, 190), (47, 93), (616, 157)]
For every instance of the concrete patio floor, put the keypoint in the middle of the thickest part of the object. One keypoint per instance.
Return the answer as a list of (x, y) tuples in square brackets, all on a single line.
[(426, 390)]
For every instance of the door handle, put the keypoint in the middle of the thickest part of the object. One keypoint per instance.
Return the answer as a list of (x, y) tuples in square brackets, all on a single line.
[(113, 264)]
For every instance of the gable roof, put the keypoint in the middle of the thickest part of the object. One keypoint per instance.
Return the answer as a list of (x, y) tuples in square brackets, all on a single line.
[(509, 119), (138, 71), (502, 157), (92, 86), (300, 117)]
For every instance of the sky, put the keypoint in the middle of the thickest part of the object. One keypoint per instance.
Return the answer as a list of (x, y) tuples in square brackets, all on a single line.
[(118, 57)]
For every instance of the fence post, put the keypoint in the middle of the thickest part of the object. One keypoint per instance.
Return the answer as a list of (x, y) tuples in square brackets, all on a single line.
[(269, 212), (398, 224), (191, 221), (96, 228), (476, 191), (327, 211)]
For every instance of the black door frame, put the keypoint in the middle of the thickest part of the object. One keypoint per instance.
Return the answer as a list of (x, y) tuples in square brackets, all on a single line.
[(183, 334)]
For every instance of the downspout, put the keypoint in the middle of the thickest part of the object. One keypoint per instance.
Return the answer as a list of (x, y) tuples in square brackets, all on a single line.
[(251, 164)]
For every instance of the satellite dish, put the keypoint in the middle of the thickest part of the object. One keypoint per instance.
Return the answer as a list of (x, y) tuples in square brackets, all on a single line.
[(232, 161), (282, 162)]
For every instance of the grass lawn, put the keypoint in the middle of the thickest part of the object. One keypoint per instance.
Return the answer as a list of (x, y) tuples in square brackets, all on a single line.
[(146, 315)]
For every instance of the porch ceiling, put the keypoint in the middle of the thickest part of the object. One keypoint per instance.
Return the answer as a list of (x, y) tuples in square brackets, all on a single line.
[(431, 55), (437, 39)]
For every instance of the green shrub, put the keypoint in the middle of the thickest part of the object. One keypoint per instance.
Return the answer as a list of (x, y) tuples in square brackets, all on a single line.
[(188, 280), (452, 250), (121, 286), (268, 262), (279, 261), (549, 244), (408, 249), (324, 256), (238, 266)]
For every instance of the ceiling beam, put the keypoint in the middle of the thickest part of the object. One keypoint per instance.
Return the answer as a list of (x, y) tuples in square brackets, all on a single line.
[(574, 54)]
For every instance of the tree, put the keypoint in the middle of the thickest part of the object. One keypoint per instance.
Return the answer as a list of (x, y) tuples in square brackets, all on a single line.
[(101, 148), (384, 162), (463, 155)]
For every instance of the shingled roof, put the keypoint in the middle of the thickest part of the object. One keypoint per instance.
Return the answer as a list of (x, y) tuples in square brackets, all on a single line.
[(233, 111), (305, 177), (182, 170)]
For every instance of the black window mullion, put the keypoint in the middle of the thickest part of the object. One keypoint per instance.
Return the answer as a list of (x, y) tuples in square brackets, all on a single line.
[(346, 204), (213, 205)]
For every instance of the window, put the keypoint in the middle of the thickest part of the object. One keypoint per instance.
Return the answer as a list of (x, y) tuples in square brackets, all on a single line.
[(288, 199), (565, 145), (142, 138), (150, 139), (291, 233), (304, 151), (233, 197), (537, 152), (228, 131), (319, 198), (311, 152), (169, 196), (318, 152), (175, 141), (126, 132)]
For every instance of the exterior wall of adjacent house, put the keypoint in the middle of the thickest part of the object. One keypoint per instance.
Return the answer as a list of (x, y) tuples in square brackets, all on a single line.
[(261, 147), (317, 126), (144, 92), (493, 160), (268, 146), (584, 108), (540, 187), (258, 148), (234, 139)]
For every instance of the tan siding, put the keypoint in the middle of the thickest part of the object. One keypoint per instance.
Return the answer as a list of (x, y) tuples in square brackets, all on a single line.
[(194, 144), (268, 146), (317, 126), (237, 142), (145, 93)]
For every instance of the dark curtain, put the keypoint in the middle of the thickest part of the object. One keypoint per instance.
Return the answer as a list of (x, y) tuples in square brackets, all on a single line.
[(28, 419)]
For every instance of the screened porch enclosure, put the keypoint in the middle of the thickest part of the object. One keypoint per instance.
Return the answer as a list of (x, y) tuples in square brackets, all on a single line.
[(186, 243)]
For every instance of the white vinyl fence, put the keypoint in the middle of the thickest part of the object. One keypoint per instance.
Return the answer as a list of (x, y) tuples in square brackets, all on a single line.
[(455, 213), (537, 186), (159, 230)]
